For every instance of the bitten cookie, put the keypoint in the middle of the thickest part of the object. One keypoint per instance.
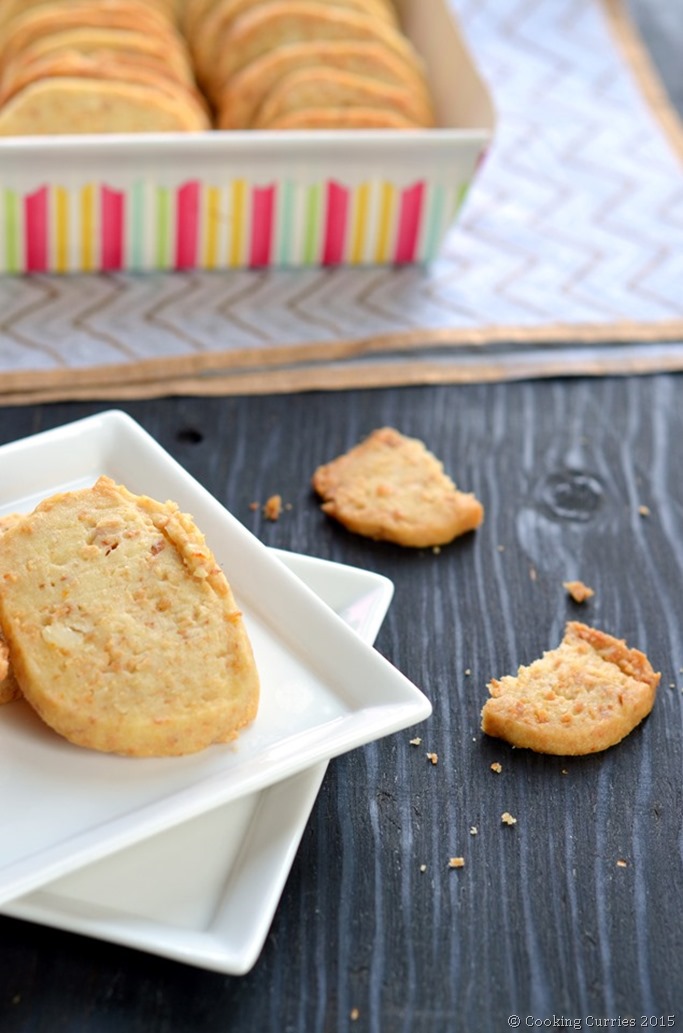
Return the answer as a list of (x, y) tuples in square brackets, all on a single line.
[(9, 689), (390, 487), (123, 631), (582, 697)]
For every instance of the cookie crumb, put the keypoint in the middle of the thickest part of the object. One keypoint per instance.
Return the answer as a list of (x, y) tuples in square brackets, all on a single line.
[(436, 549), (354, 1015), (423, 867), (253, 506), (564, 771), (621, 863), (501, 548), (433, 757), (468, 671), (456, 862), (578, 591), (644, 511), (417, 741), (533, 573), (272, 508), (507, 818), (474, 831), (497, 767)]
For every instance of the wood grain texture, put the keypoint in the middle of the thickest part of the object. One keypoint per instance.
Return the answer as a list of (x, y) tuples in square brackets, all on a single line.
[(541, 921)]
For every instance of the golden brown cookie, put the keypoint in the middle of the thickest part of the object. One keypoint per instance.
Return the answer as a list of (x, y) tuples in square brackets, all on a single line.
[(245, 92), (113, 67), (210, 31), (582, 697), (279, 23), (390, 487), (9, 689), (341, 118), (60, 16), (108, 41), (318, 87), (91, 105), (11, 9), (123, 631)]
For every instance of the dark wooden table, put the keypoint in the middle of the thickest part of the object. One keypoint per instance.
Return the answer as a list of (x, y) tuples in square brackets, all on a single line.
[(573, 917), (542, 922)]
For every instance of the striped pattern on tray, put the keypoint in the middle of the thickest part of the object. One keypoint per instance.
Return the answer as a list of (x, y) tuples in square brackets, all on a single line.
[(152, 227)]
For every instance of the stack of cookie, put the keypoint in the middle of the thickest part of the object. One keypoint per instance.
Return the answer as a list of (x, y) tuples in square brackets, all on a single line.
[(95, 66), (305, 64)]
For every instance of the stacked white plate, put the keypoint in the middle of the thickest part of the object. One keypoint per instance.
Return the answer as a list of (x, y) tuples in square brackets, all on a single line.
[(187, 857)]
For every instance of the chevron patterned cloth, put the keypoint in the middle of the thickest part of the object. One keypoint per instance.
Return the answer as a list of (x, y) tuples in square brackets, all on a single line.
[(567, 258)]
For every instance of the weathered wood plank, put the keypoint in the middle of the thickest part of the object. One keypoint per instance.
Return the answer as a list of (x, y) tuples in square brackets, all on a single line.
[(541, 921)]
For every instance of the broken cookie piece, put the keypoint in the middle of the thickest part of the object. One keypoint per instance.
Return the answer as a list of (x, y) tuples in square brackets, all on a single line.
[(582, 697), (389, 487)]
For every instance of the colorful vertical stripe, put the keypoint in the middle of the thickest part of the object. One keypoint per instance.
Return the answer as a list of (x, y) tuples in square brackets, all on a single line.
[(285, 223), (212, 212), (360, 222), (111, 219), (262, 200), (237, 224), (36, 223), (87, 241), (163, 228), (409, 218), (187, 223), (311, 225), (238, 206), (336, 219), (60, 259), (12, 233)]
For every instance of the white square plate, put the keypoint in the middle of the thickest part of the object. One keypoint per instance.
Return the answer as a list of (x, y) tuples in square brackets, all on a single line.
[(323, 690), (239, 854)]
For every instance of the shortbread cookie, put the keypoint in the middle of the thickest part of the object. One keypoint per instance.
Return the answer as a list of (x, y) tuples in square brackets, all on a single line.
[(123, 631), (246, 91), (276, 23), (320, 87), (11, 9), (210, 31), (170, 54), (9, 689), (111, 67), (82, 105), (58, 16), (580, 698), (390, 487), (341, 118)]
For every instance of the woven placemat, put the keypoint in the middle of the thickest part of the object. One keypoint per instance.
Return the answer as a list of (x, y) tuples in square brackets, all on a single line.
[(567, 258)]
